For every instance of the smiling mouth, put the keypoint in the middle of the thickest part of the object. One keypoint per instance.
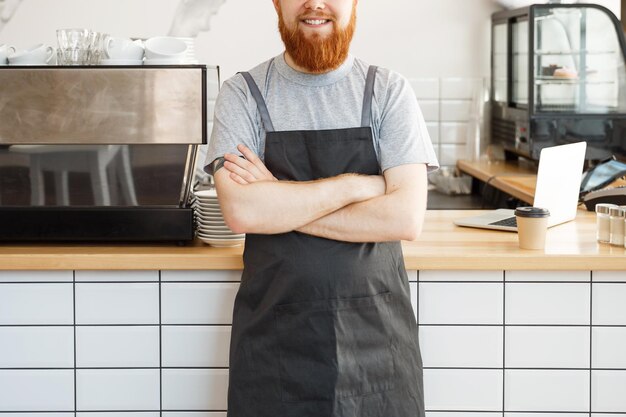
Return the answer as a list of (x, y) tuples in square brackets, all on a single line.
[(316, 22)]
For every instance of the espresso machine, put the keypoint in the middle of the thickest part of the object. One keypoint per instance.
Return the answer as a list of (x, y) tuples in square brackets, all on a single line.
[(100, 153)]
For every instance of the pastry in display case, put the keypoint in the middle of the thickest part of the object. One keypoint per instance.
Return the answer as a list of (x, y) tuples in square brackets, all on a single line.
[(558, 77)]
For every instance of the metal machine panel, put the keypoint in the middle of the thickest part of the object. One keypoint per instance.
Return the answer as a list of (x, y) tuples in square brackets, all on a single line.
[(103, 105)]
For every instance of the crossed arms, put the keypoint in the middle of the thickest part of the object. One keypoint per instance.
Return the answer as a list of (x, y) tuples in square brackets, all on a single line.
[(348, 207)]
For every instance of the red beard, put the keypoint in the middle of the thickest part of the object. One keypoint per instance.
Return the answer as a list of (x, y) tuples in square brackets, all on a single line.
[(315, 53)]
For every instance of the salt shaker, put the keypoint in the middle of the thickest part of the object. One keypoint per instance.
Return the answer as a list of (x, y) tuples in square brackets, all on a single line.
[(617, 226), (603, 222)]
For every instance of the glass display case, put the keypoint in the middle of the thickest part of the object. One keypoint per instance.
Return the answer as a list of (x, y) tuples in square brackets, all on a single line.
[(558, 77)]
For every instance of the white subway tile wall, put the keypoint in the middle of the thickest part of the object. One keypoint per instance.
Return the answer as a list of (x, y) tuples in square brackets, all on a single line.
[(561, 347), (185, 346), (551, 343), (460, 303), (117, 346), (150, 343), (195, 389), (117, 303), (36, 390), (36, 303), (608, 390), (553, 415), (193, 414), (447, 105), (561, 303), (117, 389), (197, 303), (37, 347), (546, 390), (463, 389), (115, 414), (461, 346)]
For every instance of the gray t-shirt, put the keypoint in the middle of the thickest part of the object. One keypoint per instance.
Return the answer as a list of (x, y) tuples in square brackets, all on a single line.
[(299, 101)]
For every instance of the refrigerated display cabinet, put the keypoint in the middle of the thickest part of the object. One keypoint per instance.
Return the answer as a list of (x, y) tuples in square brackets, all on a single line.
[(558, 77)]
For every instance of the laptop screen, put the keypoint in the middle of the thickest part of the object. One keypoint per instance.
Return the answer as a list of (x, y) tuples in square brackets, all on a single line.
[(558, 180)]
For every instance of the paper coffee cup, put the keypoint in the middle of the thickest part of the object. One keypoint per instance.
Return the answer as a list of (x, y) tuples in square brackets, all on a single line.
[(532, 224)]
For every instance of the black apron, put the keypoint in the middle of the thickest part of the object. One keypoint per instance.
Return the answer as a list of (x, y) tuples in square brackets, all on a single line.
[(322, 327)]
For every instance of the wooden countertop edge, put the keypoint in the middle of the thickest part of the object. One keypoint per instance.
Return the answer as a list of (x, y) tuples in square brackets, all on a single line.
[(541, 261), (120, 262)]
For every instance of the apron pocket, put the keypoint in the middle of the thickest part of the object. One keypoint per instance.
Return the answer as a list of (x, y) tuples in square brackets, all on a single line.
[(334, 348)]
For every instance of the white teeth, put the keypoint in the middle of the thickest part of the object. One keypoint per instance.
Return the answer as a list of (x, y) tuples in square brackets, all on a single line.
[(315, 22)]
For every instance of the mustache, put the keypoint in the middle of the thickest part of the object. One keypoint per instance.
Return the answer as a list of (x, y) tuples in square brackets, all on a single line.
[(317, 16)]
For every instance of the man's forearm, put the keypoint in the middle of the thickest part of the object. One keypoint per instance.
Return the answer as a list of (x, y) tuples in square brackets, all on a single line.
[(271, 207), (385, 218)]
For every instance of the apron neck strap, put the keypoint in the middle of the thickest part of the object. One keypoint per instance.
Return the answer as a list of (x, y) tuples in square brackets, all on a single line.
[(260, 102), (366, 117)]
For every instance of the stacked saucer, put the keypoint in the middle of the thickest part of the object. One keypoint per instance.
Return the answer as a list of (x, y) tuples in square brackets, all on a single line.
[(210, 225), (190, 54)]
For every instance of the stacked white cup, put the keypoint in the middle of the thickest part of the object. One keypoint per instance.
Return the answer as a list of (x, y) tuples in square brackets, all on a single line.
[(165, 50), (123, 51), (4, 53), (35, 55)]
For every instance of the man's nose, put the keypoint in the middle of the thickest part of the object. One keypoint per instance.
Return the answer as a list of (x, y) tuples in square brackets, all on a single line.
[(315, 4)]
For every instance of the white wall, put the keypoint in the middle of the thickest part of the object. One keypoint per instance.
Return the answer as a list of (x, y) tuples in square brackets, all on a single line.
[(418, 38)]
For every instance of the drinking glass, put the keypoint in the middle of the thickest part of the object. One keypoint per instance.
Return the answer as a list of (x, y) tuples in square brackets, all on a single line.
[(73, 46), (95, 50)]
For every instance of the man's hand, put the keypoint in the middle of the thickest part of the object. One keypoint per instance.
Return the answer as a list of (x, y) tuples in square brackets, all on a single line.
[(249, 170)]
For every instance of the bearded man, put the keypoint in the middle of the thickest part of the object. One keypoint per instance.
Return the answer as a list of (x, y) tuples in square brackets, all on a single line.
[(321, 160)]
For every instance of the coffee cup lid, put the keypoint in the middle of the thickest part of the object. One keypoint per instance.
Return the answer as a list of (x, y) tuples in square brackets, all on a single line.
[(535, 212)]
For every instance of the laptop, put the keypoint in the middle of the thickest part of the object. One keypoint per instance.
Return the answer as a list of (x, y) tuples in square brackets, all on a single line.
[(558, 186)]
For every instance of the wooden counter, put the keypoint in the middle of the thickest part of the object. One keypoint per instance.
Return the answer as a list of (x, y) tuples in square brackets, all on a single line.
[(516, 178), (442, 245)]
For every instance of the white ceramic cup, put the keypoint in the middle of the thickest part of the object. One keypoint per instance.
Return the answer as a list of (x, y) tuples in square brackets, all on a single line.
[(4, 52), (164, 47), (123, 49), (35, 55)]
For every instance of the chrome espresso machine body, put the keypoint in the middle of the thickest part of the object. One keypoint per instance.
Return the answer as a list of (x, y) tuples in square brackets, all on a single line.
[(100, 153)]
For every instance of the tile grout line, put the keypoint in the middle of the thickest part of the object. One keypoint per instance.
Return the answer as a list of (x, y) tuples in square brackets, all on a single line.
[(503, 339), (417, 319), (160, 353), (417, 304), (74, 327), (590, 339)]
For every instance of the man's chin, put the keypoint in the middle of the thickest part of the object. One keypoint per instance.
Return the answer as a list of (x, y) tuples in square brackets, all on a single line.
[(314, 35)]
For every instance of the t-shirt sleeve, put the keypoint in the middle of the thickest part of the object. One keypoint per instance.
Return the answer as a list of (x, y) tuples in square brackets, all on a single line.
[(403, 136), (234, 123)]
